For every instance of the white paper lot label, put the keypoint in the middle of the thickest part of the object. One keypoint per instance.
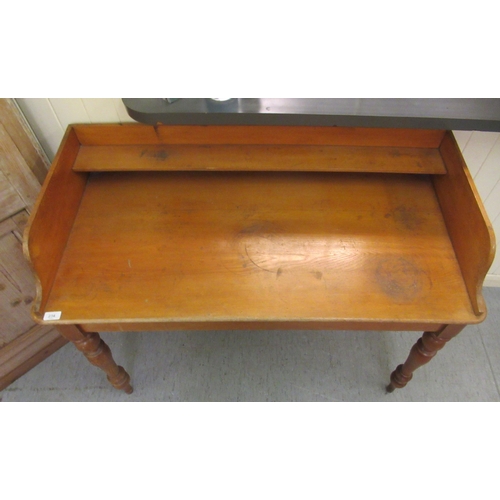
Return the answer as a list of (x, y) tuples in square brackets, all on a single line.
[(52, 316)]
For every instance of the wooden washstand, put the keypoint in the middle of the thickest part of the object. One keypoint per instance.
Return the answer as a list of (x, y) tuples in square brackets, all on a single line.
[(258, 227)]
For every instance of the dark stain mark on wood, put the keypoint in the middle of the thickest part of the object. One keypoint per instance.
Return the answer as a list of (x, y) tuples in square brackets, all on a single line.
[(279, 272), (318, 275), (28, 300), (407, 218), (15, 303), (157, 154), (401, 279), (2, 287), (157, 131), (263, 227)]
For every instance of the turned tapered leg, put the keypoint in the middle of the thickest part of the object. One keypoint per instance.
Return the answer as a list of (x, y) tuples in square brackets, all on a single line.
[(99, 354), (421, 353)]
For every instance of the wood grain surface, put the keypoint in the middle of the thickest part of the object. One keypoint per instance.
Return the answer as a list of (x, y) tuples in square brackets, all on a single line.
[(468, 224), (249, 246), (107, 135), (259, 158), (52, 217)]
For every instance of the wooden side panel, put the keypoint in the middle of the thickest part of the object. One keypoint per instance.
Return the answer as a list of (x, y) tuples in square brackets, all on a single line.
[(468, 225), (53, 216), (10, 201), (24, 139), (21, 221), (23, 167), (17, 287), (333, 136), (26, 351), (7, 226), (259, 158), (16, 170), (99, 135), (103, 135)]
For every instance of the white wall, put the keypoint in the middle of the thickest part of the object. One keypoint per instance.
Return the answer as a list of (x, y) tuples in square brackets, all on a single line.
[(50, 117)]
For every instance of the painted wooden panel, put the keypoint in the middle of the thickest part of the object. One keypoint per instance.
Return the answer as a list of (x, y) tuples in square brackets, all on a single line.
[(16, 170), (49, 118), (17, 285), (23, 168), (23, 139), (10, 201)]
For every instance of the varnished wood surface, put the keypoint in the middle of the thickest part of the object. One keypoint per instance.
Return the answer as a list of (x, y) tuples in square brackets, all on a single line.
[(468, 224), (106, 135), (52, 217), (259, 158), (127, 326), (248, 246)]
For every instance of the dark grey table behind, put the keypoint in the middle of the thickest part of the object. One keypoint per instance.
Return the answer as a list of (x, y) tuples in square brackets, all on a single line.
[(443, 114)]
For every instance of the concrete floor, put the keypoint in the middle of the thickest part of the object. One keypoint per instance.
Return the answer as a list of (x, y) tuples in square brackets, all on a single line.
[(274, 366)]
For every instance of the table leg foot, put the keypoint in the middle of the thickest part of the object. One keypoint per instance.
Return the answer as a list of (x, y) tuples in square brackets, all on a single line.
[(99, 354), (421, 353)]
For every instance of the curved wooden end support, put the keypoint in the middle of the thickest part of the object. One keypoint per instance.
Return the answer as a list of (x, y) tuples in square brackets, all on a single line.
[(469, 227), (44, 241), (99, 354), (421, 353)]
